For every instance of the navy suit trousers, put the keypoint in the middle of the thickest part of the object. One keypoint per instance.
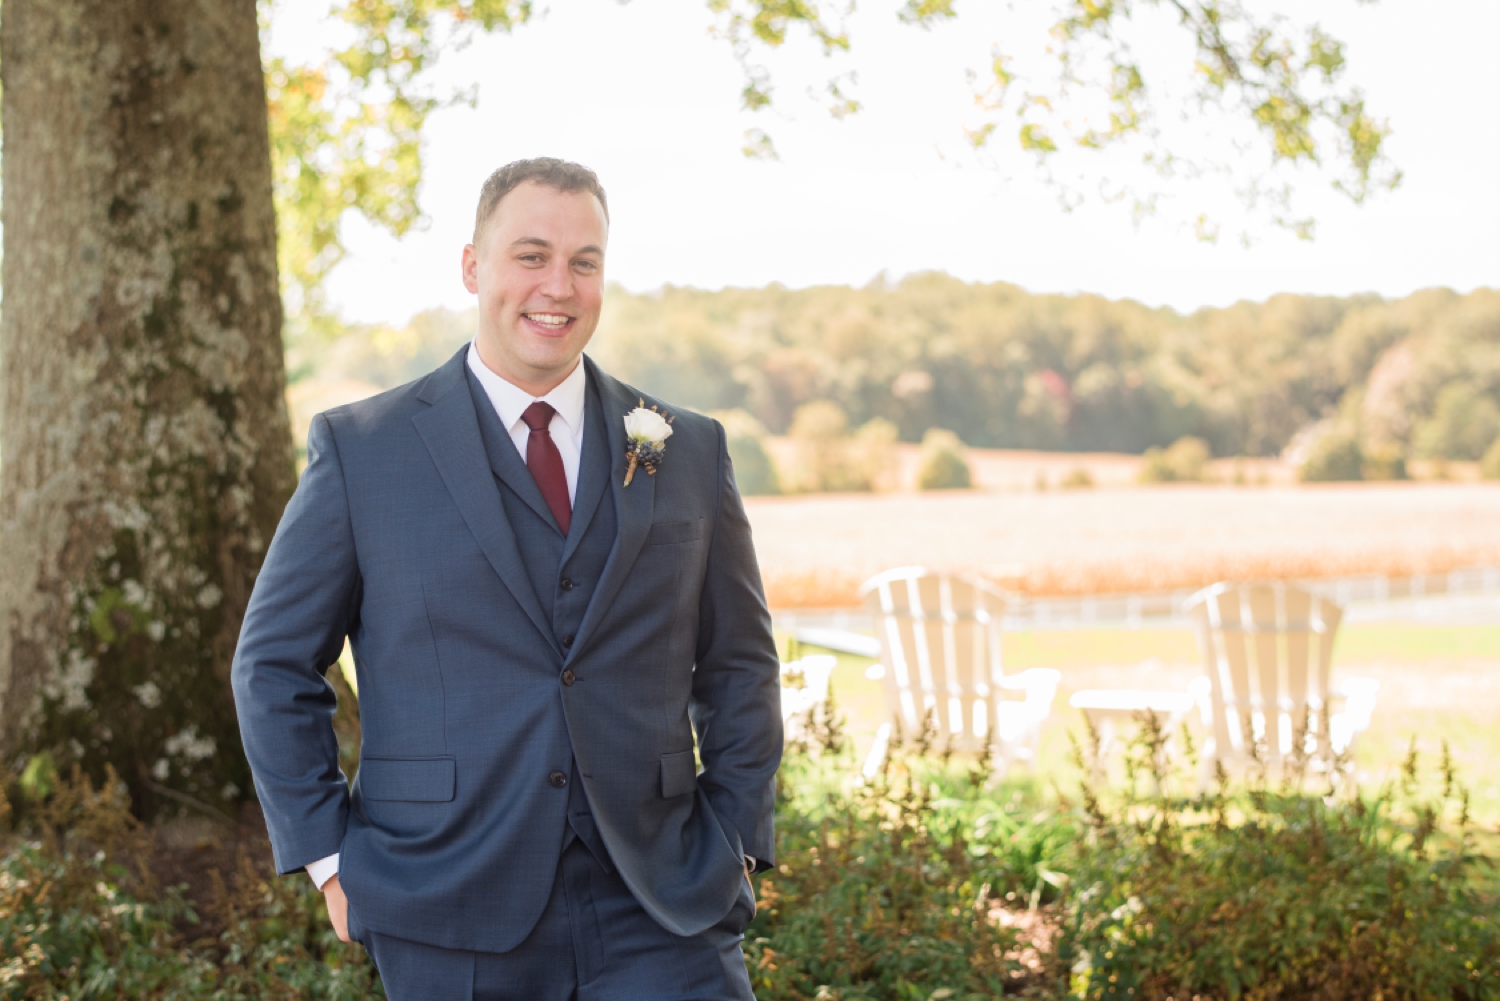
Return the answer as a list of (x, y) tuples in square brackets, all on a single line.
[(569, 955)]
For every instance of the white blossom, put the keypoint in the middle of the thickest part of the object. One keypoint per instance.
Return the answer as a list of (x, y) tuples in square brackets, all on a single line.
[(148, 694), (647, 425), (191, 746), (75, 680)]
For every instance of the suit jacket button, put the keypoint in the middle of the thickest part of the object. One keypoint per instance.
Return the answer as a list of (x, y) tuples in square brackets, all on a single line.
[(568, 677), (567, 641), (558, 780), (567, 584)]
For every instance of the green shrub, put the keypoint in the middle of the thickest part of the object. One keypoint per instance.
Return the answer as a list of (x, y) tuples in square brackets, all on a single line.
[(828, 459), (82, 917), (1078, 478), (873, 452), (1185, 461), (754, 472), (1385, 463), (944, 463), (1156, 468), (1489, 466), (889, 890), (1278, 893), (908, 887), (1335, 457)]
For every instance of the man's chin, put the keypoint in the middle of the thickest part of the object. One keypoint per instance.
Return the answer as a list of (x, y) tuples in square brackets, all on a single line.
[(554, 363), (533, 356)]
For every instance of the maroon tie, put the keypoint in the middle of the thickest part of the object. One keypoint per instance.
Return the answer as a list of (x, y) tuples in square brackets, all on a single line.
[(545, 463)]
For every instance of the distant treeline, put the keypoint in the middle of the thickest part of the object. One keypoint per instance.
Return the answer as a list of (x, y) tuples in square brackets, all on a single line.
[(1004, 368)]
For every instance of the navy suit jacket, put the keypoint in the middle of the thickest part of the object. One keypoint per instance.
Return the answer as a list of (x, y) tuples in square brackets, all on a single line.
[(397, 538)]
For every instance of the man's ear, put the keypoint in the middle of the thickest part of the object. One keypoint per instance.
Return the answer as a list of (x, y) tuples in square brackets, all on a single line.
[(471, 268)]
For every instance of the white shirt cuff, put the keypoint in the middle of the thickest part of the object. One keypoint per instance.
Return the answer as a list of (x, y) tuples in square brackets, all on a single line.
[(750, 861), (323, 869)]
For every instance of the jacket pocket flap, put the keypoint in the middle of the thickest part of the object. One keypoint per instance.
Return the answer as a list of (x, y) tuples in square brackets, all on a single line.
[(679, 774), (675, 531), (412, 780)]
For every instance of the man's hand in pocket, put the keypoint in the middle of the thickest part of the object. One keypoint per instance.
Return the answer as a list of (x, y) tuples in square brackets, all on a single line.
[(338, 907)]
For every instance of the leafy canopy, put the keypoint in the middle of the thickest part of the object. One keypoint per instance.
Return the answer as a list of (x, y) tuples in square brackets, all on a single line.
[(346, 131)]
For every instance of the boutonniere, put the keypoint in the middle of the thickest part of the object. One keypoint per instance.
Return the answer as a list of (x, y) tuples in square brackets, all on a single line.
[(646, 434)]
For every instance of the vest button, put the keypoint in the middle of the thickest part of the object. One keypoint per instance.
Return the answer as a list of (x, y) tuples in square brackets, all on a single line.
[(567, 641), (558, 780), (568, 677), (567, 583)]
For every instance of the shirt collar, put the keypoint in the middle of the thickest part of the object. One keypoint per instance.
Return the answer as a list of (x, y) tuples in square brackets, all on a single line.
[(510, 401)]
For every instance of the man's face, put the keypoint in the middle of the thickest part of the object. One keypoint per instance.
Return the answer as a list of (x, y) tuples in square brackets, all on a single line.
[(538, 269)]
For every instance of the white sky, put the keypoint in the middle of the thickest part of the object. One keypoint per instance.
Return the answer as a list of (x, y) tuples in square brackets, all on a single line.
[(642, 93)]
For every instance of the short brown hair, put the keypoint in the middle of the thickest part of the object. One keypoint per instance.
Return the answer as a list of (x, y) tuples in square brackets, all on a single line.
[(561, 175)]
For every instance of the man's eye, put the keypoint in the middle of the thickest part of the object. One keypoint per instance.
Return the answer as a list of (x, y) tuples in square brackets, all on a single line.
[(531, 258), (587, 265)]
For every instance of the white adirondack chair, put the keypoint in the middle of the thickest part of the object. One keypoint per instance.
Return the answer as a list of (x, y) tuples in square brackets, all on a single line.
[(940, 648), (1268, 651)]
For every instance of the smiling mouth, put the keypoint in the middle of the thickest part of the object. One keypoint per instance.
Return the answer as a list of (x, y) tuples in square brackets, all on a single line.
[(549, 322)]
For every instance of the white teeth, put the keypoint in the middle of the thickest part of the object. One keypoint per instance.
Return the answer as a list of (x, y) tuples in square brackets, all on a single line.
[(548, 320)]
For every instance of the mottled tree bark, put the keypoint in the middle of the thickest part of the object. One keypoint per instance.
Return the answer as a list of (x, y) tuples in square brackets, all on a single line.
[(145, 444)]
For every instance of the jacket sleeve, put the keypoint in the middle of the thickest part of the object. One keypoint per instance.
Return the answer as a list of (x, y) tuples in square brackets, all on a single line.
[(303, 605), (736, 703)]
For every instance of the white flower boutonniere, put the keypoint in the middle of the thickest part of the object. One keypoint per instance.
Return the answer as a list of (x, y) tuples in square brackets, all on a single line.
[(646, 434)]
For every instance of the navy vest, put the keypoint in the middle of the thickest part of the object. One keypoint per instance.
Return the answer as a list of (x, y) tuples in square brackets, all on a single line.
[(563, 571)]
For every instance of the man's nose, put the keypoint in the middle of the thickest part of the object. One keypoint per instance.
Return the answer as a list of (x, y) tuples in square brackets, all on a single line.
[(558, 282)]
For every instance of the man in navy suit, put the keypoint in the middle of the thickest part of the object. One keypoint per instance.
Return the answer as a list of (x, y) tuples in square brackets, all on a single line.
[(544, 614)]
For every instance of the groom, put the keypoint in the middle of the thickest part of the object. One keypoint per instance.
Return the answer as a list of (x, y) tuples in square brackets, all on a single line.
[(541, 628)]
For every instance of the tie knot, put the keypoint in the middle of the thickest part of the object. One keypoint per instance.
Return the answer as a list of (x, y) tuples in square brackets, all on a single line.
[(538, 416)]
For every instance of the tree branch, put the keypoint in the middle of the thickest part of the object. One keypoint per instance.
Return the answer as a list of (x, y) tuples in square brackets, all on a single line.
[(186, 800)]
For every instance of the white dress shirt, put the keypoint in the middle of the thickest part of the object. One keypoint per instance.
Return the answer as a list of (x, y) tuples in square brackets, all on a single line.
[(510, 402), (566, 398)]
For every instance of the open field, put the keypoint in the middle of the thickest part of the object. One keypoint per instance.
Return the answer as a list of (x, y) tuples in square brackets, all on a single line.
[(815, 550), (1437, 683)]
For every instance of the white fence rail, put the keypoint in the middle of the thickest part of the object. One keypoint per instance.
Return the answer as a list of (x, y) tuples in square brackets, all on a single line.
[(1466, 596)]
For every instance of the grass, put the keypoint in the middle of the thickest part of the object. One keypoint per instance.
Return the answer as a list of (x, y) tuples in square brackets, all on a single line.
[(1437, 684), (1357, 643)]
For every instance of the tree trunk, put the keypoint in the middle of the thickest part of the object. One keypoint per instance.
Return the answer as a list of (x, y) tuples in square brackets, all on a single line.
[(147, 454)]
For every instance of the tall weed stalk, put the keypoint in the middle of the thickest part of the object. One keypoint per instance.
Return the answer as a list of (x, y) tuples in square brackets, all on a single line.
[(889, 888), (1292, 888)]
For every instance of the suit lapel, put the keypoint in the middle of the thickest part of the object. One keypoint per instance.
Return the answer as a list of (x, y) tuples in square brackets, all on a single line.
[(633, 504), (450, 430)]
